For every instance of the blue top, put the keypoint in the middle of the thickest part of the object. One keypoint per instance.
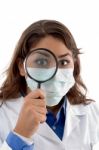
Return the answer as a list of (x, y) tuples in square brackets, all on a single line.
[(56, 123)]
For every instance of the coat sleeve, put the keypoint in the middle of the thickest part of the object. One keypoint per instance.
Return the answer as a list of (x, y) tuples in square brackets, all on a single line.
[(94, 121)]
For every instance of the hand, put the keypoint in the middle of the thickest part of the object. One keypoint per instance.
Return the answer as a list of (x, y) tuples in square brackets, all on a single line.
[(32, 113)]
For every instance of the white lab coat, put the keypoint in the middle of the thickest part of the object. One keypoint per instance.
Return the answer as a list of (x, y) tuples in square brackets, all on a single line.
[(81, 130)]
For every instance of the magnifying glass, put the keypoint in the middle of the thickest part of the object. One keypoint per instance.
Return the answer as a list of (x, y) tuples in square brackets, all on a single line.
[(41, 65)]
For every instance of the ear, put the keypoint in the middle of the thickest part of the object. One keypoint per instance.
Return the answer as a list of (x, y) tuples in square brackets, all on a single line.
[(21, 68)]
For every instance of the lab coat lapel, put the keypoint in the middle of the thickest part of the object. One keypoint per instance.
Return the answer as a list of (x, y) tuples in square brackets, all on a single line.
[(45, 131), (72, 118), (71, 123)]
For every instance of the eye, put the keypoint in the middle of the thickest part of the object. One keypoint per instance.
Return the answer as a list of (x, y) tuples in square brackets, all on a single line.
[(63, 63), (41, 62)]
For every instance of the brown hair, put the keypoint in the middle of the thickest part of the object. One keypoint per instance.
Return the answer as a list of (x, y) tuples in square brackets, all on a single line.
[(15, 83)]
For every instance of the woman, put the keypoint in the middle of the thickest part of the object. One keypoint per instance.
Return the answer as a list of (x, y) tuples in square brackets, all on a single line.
[(57, 116)]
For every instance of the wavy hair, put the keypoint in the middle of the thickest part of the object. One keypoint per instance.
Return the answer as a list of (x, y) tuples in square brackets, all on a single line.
[(15, 83)]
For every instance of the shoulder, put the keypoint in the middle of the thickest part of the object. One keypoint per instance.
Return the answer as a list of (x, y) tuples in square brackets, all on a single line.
[(93, 110), (9, 112), (10, 107), (90, 111), (10, 102)]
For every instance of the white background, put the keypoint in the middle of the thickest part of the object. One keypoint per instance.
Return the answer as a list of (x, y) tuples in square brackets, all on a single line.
[(80, 16)]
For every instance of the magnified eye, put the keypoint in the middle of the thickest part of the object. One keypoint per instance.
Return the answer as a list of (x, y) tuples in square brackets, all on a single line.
[(41, 62)]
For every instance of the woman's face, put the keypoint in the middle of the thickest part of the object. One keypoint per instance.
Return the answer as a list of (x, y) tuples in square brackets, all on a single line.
[(63, 54)]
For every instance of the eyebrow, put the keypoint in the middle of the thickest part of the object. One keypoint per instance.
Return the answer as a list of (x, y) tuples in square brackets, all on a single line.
[(63, 55), (60, 56), (44, 54)]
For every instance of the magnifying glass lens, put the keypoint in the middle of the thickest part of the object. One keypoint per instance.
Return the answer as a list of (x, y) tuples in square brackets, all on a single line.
[(41, 65)]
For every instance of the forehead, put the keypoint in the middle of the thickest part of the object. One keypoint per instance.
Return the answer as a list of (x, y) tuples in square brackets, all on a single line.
[(53, 44)]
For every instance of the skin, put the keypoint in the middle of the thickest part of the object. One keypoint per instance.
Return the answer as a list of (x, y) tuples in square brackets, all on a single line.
[(34, 109)]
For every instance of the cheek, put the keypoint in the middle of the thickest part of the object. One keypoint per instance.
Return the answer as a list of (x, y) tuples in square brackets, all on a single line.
[(71, 65)]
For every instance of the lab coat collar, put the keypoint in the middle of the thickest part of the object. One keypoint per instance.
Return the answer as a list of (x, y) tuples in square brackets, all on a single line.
[(72, 121)]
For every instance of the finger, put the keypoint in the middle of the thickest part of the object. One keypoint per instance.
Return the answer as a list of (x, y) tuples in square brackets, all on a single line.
[(38, 117), (42, 118), (39, 102), (37, 93), (40, 110)]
